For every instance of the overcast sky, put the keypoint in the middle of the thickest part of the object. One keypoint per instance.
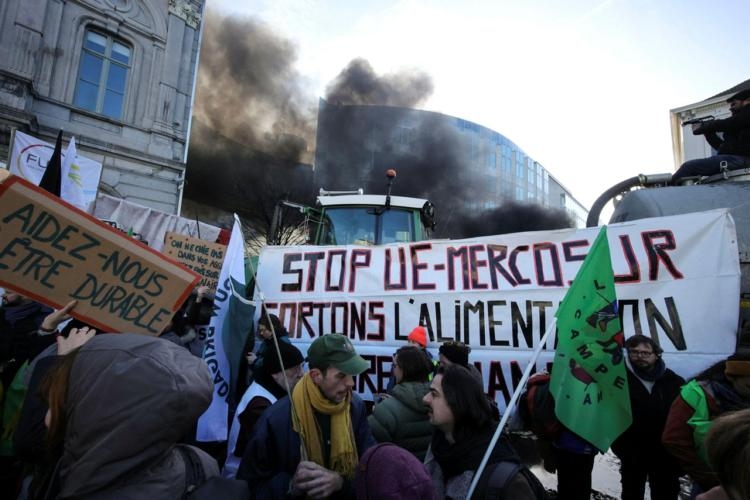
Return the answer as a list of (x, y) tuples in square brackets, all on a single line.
[(582, 86)]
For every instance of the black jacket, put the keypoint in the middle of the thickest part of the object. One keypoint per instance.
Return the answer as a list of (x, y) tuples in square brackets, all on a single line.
[(650, 412), (736, 132)]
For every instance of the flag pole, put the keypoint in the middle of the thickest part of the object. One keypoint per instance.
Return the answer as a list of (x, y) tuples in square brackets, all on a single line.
[(11, 146), (510, 407), (263, 310)]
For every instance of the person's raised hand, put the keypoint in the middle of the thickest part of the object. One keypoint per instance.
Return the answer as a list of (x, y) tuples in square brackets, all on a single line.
[(203, 291), (75, 339), (53, 319)]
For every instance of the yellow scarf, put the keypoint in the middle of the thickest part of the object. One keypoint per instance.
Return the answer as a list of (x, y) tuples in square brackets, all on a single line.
[(307, 399)]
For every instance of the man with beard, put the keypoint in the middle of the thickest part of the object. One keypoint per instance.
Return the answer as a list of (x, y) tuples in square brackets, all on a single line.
[(732, 149), (325, 417), (653, 388)]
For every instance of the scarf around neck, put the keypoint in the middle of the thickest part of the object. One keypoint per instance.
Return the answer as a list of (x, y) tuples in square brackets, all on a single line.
[(307, 400), (466, 454), (652, 375)]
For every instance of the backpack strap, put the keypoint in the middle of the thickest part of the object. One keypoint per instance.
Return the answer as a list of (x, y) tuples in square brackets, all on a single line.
[(194, 473), (498, 478)]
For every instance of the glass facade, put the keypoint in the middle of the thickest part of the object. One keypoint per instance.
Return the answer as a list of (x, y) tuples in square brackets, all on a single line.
[(448, 152), (517, 176)]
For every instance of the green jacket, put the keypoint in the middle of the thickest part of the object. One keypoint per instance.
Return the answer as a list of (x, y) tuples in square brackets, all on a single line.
[(402, 419)]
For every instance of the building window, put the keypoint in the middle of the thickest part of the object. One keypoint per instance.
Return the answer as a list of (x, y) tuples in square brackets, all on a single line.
[(103, 74)]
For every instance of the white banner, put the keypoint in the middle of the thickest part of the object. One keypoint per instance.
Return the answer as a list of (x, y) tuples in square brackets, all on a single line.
[(677, 282), (29, 157), (151, 224)]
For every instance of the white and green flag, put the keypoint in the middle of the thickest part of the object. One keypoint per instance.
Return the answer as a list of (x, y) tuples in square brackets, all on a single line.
[(225, 337)]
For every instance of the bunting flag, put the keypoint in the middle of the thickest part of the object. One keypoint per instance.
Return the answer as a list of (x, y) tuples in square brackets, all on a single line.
[(588, 381), (225, 337), (52, 178)]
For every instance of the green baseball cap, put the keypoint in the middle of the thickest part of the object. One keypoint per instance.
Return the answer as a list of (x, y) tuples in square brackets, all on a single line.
[(336, 350)]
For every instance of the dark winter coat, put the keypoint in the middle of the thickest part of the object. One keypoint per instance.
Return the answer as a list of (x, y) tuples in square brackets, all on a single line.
[(735, 130), (130, 399), (650, 410), (273, 453), (19, 337), (402, 419)]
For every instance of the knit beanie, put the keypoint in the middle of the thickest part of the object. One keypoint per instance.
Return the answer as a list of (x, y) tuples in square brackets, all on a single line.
[(419, 335), (388, 472), (456, 352), (290, 355)]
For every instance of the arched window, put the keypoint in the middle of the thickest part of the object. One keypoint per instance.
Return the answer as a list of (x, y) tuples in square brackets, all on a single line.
[(103, 74)]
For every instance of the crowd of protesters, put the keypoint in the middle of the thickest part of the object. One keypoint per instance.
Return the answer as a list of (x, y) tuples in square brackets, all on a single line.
[(90, 414)]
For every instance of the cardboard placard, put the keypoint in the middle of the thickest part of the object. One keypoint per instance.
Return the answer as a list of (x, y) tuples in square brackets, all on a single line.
[(203, 257), (53, 252)]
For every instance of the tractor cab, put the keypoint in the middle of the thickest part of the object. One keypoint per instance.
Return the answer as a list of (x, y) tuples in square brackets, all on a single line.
[(355, 218), (361, 219)]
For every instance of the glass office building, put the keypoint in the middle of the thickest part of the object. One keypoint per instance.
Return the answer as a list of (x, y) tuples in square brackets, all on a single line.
[(440, 157)]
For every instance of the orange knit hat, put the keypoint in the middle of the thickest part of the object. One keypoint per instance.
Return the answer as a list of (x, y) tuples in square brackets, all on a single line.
[(419, 335)]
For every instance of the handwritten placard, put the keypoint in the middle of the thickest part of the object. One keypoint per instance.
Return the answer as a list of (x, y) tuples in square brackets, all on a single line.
[(53, 252), (203, 257)]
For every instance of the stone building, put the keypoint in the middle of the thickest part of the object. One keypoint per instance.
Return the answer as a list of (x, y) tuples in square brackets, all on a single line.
[(119, 75)]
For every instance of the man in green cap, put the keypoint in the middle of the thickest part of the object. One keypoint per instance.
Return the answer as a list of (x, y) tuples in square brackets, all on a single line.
[(324, 418)]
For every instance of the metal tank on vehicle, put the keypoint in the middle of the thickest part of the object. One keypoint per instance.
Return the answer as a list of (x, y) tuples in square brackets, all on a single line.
[(647, 196)]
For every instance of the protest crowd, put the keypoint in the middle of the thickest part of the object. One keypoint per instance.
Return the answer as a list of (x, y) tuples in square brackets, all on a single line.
[(222, 401), (89, 414)]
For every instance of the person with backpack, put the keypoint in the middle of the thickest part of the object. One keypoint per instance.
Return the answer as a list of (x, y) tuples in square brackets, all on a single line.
[(464, 427), (721, 388), (118, 407), (562, 450), (653, 387)]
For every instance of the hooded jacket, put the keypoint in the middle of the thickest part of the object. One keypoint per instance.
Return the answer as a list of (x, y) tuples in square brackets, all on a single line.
[(130, 399), (402, 419)]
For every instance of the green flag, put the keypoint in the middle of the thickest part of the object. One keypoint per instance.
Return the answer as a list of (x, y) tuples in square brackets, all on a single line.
[(588, 381)]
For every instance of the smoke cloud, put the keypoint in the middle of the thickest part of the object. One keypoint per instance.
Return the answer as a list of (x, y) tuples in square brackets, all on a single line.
[(434, 160), (254, 123), (248, 89), (358, 84), (514, 217)]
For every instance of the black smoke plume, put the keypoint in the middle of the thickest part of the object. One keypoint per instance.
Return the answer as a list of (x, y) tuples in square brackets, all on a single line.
[(253, 123), (248, 89), (358, 84), (514, 217), (434, 160)]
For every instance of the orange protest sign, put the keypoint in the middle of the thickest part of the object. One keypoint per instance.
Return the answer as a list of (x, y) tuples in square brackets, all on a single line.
[(53, 252)]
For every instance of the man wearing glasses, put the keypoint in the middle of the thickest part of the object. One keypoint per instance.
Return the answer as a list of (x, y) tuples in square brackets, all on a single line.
[(653, 387)]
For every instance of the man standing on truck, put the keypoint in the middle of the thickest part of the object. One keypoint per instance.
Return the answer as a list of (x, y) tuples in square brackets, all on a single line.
[(734, 145)]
